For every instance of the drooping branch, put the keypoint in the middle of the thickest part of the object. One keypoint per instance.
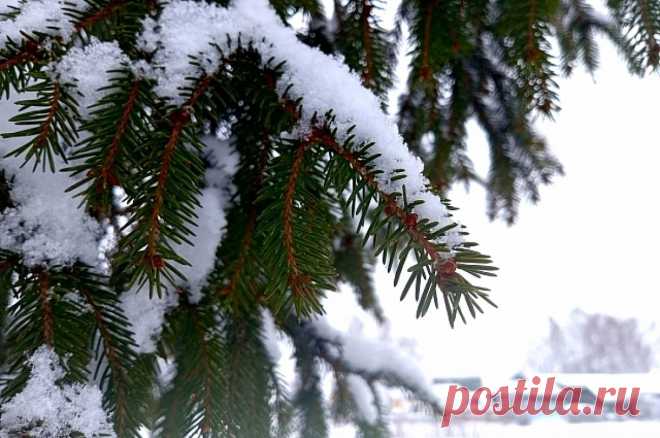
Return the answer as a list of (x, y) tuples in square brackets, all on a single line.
[(425, 69), (445, 264), (297, 281), (120, 379), (107, 175), (180, 118), (248, 234)]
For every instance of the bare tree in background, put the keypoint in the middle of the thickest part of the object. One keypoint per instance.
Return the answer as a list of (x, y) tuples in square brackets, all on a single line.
[(595, 343)]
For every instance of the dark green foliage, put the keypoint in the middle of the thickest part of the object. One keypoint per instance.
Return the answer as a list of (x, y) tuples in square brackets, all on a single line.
[(107, 158), (524, 26), (193, 404), (49, 118), (577, 26), (247, 387), (16, 65), (56, 318), (112, 19), (71, 310), (296, 224), (308, 400), (639, 21), (122, 375), (367, 47)]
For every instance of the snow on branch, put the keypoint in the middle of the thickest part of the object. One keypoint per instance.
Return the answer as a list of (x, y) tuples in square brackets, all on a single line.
[(146, 315), (46, 225), (89, 70), (363, 397), (372, 359), (47, 409), (188, 29), (44, 16)]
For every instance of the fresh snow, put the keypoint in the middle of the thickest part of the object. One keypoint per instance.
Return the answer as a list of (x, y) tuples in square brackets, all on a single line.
[(46, 16), (146, 315), (188, 29), (210, 216), (364, 398), (8, 5), (46, 226), (88, 69), (270, 336), (52, 410), (374, 356)]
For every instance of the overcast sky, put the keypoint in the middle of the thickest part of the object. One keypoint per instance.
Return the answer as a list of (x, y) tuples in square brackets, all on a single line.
[(590, 243)]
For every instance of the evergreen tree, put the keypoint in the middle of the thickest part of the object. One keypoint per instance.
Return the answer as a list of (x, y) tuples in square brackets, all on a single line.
[(184, 181)]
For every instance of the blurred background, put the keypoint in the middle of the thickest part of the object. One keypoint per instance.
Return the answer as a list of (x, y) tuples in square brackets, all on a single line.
[(577, 288)]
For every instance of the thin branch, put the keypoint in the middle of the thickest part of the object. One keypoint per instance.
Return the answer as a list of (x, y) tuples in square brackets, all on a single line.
[(118, 371), (108, 177), (54, 106), (392, 208), (46, 307), (296, 280), (425, 70), (248, 235), (368, 76), (180, 119), (99, 15)]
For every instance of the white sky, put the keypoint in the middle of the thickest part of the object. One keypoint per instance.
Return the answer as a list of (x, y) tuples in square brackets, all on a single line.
[(589, 243)]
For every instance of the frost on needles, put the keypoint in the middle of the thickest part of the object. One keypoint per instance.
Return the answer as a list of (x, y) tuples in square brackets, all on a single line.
[(178, 180)]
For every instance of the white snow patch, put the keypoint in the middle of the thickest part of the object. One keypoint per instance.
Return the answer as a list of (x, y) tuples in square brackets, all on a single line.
[(363, 397), (186, 29), (375, 357), (146, 316), (88, 69), (54, 410), (46, 226), (45, 16), (201, 254), (271, 336)]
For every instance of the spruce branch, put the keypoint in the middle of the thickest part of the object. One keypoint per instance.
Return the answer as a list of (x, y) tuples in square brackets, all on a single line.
[(193, 404), (118, 124), (297, 281), (122, 379), (296, 229), (162, 205), (435, 264), (50, 118), (639, 21), (238, 277), (248, 384), (15, 65), (367, 47), (525, 24), (44, 313), (105, 11)]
